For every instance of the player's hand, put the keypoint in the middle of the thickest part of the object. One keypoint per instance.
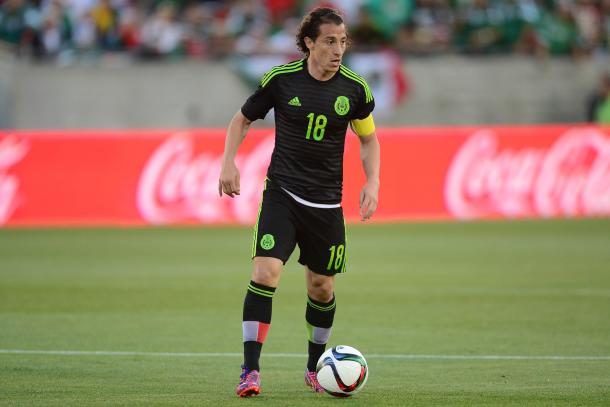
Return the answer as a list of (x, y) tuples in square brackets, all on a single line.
[(229, 180), (368, 200)]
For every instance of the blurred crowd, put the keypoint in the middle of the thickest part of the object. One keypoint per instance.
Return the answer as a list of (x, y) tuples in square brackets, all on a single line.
[(67, 30)]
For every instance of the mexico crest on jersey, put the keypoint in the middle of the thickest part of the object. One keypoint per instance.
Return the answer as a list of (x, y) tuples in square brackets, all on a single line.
[(342, 105)]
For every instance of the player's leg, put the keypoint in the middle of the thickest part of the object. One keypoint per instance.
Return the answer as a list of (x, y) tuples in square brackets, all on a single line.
[(323, 253), (256, 320), (319, 317), (258, 306), (273, 242)]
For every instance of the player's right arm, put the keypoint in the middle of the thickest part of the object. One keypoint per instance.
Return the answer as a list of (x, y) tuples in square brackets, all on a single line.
[(256, 107), (229, 174)]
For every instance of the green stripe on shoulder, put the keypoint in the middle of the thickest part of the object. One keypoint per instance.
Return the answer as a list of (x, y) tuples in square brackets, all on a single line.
[(288, 65), (294, 66), (348, 73), (280, 67)]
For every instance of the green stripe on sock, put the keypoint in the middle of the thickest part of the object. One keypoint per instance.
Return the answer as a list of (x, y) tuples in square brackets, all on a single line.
[(309, 331), (260, 291), (320, 308)]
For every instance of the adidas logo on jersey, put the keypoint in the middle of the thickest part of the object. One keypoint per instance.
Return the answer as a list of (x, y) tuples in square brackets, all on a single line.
[(295, 101)]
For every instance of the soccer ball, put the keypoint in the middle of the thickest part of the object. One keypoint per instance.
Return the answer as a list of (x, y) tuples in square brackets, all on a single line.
[(342, 371)]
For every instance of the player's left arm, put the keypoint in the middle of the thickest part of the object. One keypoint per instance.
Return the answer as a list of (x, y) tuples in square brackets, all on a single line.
[(371, 159)]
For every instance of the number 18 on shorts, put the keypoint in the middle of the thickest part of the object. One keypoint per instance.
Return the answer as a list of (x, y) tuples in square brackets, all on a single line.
[(284, 223)]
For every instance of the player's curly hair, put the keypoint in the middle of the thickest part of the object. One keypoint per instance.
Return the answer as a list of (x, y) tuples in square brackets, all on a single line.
[(310, 26)]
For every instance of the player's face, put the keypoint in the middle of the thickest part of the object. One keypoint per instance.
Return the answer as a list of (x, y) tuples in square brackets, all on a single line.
[(328, 49)]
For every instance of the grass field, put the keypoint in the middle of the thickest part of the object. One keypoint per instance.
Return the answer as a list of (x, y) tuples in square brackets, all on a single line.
[(461, 314)]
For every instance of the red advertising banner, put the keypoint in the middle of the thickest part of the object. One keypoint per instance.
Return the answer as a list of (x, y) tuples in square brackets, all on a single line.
[(171, 177)]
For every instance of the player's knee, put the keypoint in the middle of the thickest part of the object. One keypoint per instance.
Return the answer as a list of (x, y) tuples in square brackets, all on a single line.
[(321, 290), (267, 271)]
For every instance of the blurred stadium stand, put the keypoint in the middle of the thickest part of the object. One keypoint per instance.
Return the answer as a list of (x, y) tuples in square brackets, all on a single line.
[(178, 63), (69, 30)]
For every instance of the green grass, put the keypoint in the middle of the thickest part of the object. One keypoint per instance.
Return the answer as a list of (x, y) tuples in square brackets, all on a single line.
[(526, 288)]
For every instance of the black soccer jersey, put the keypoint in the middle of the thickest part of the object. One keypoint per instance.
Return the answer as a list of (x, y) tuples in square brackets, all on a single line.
[(311, 119)]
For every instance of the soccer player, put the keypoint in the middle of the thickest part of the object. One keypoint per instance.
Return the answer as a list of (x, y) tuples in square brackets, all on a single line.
[(314, 99)]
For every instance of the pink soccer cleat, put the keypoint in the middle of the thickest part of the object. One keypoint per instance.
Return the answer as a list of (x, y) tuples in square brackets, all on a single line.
[(249, 383), (311, 380)]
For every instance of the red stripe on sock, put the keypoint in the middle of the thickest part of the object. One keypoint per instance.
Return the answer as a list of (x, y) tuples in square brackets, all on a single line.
[(262, 332)]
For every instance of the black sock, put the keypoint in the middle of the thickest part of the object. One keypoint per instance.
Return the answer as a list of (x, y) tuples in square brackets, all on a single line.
[(319, 318), (256, 321), (315, 351), (252, 353)]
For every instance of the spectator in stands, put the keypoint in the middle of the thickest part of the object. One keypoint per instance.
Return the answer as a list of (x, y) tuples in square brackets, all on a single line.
[(85, 36), (390, 15), (34, 22), (161, 34), (254, 41), (129, 28), (365, 33), (477, 28), (556, 31), (78, 8), (198, 29), (106, 24), (57, 29), (13, 24), (282, 41), (245, 16), (281, 11), (429, 30), (588, 25)]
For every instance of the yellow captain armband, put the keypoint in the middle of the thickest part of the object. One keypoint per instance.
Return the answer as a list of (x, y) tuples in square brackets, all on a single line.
[(364, 127)]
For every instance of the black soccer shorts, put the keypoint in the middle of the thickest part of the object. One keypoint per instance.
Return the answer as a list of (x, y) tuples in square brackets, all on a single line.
[(284, 223)]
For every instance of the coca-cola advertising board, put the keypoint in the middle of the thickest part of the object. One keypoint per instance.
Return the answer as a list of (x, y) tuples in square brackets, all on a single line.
[(168, 177)]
